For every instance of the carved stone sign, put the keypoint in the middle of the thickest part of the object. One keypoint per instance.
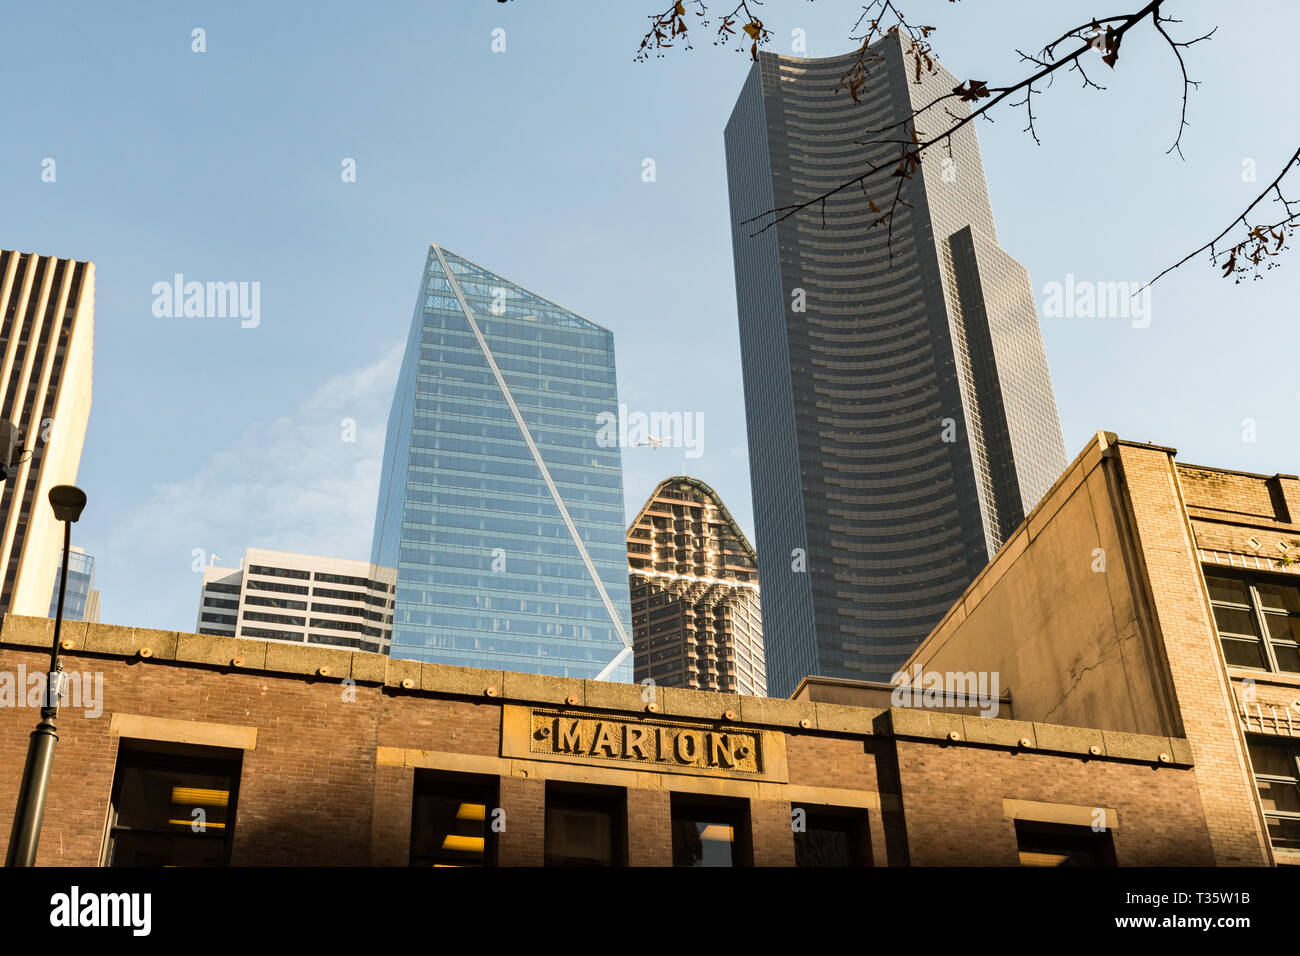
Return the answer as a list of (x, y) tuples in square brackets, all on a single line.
[(670, 746)]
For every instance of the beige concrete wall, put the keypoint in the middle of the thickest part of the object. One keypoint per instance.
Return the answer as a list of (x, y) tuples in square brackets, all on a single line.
[(1128, 645), (42, 542), (1060, 614)]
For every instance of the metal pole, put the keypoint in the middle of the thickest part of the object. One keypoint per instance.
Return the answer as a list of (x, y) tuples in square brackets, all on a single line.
[(30, 812)]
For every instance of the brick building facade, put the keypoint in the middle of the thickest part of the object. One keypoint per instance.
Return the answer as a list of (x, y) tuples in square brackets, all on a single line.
[(301, 755)]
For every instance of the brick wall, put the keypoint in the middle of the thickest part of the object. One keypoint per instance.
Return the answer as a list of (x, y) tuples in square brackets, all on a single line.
[(329, 778), (523, 841), (1227, 491), (649, 828), (282, 782), (772, 833), (1273, 498), (1200, 678), (390, 819), (962, 789)]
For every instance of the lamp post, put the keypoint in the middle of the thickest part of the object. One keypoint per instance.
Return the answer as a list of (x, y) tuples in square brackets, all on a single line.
[(67, 502)]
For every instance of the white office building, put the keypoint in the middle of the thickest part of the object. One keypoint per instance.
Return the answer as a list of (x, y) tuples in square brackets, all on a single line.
[(300, 598)]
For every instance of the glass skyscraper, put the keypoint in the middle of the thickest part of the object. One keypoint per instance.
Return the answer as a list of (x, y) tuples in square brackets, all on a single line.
[(501, 501), (900, 412), (81, 600)]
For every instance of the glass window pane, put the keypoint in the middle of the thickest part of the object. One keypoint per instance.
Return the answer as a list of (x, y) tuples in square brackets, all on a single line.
[(1284, 832), (703, 837), (1271, 760), (449, 823), (171, 809), (1283, 628), (167, 799), (1278, 778), (1043, 844), (1279, 597), (1227, 589), (579, 836), (1243, 653), (829, 840), (155, 849), (1288, 657), (1279, 796), (1234, 621)]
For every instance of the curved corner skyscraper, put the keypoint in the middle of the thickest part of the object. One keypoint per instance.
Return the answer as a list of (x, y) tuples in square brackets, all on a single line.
[(499, 504), (900, 412)]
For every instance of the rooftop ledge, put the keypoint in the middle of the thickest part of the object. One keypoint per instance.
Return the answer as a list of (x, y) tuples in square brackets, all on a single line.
[(230, 654)]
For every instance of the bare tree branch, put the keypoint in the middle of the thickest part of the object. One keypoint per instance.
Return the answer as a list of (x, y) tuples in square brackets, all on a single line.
[(882, 18), (1256, 236), (1188, 85)]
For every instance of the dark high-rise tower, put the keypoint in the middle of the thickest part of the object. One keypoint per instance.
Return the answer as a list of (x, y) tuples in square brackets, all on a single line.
[(900, 413)]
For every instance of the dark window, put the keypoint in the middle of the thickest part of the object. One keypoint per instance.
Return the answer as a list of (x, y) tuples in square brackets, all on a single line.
[(277, 586), (344, 626), (269, 634), (279, 572), (339, 595), (223, 588), (830, 836), (1258, 619), (451, 820), (1276, 765), (288, 603), (341, 579), (584, 827), (274, 618), (338, 640), (337, 609), (1057, 844), (172, 805), (710, 833)]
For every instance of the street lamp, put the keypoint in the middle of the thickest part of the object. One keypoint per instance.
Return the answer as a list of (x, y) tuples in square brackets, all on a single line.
[(67, 502)]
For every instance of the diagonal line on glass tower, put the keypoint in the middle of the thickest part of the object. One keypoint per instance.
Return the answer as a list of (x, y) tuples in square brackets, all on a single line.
[(498, 505), (900, 413)]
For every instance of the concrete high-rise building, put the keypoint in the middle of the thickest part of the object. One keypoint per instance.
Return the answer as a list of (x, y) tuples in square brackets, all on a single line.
[(900, 412), (47, 331), (501, 498), (696, 618), (302, 598), (80, 600)]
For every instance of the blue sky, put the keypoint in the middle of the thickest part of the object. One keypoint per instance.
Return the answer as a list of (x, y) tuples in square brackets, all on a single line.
[(225, 166)]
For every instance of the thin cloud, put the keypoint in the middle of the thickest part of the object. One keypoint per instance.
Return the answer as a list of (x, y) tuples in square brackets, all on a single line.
[(292, 483)]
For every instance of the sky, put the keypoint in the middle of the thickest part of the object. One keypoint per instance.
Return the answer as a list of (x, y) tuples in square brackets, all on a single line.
[(209, 435)]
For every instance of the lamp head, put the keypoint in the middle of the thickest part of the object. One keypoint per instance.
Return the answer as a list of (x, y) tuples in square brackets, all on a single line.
[(67, 502)]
